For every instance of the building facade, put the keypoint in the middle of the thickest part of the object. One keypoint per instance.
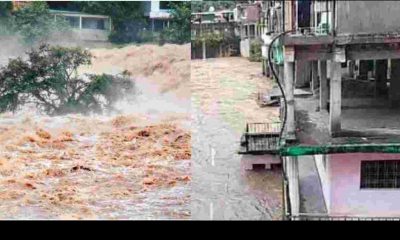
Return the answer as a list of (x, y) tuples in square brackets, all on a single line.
[(346, 123), (159, 14), (86, 27), (214, 34), (248, 17)]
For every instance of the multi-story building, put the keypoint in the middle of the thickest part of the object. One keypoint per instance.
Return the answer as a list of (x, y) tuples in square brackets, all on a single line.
[(159, 14), (248, 18), (214, 33), (346, 125)]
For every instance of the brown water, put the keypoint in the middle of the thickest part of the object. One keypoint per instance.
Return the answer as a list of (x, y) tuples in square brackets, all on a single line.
[(223, 100), (128, 167), (131, 165)]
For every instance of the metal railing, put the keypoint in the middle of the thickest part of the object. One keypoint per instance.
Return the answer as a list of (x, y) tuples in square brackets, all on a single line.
[(263, 127), (261, 137), (321, 217)]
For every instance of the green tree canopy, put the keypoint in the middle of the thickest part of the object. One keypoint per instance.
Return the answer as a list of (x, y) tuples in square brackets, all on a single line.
[(179, 28), (49, 79), (35, 23), (5, 8)]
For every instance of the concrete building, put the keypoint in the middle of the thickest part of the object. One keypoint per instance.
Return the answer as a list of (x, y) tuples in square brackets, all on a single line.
[(248, 17), (342, 139), (87, 27), (221, 26), (159, 14)]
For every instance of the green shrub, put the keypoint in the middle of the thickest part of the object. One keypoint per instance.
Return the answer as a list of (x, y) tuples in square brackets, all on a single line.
[(35, 23), (149, 36), (49, 79), (255, 51), (179, 28)]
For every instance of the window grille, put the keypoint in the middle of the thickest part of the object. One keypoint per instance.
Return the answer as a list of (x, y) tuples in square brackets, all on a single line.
[(380, 174)]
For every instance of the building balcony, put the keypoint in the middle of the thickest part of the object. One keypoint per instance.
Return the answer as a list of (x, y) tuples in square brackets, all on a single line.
[(309, 36), (160, 14), (368, 124)]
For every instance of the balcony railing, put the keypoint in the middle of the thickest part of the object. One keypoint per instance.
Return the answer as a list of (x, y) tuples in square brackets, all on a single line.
[(260, 138), (319, 217)]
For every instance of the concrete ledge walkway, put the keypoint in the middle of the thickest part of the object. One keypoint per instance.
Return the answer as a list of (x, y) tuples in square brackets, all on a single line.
[(311, 196)]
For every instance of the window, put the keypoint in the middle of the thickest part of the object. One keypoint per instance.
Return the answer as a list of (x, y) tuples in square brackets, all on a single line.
[(165, 5), (380, 174), (93, 23), (252, 30), (73, 21)]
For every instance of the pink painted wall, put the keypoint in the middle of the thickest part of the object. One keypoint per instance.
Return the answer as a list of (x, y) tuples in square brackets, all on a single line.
[(346, 196)]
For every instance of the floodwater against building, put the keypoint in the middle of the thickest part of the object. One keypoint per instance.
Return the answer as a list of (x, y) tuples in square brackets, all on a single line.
[(224, 92)]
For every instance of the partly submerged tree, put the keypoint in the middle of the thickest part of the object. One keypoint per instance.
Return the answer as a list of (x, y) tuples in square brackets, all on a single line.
[(49, 79)]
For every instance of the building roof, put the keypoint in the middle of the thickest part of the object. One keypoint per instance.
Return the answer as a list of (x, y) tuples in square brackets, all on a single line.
[(75, 13)]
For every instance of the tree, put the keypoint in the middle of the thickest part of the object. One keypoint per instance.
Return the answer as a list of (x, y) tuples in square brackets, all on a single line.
[(5, 9), (35, 23), (179, 29), (5, 13), (49, 79)]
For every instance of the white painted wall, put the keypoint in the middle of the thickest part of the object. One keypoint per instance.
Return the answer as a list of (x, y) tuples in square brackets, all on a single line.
[(155, 6), (323, 171), (292, 171), (245, 47), (340, 182)]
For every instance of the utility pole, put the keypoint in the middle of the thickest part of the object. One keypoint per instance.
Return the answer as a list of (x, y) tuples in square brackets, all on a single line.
[(203, 44)]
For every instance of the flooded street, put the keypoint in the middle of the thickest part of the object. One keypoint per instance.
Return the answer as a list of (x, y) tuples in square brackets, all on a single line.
[(223, 100), (134, 164)]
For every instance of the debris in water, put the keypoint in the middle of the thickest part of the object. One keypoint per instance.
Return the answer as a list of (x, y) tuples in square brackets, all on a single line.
[(76, 168), (43, 134)]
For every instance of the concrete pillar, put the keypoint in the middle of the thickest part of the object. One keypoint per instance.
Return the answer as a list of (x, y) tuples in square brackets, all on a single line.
[(328, 69), (335, 101), (394, 91), (292, 173), (352, 65), (380, 82), (80, 22), (303, 73), (281, 74), (264, 72), (314, 76), (363, 69), (204, 50), (289, 93), (323, 86)]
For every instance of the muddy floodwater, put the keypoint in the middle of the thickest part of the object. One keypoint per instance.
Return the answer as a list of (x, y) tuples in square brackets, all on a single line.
[(223, 100), (134, 164)]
